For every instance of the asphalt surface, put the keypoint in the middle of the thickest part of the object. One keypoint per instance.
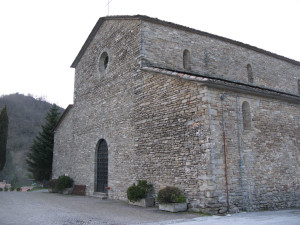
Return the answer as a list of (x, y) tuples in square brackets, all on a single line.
[(43, 208)]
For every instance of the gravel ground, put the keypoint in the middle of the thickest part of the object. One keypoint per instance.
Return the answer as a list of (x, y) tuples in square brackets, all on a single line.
[(43, 208)]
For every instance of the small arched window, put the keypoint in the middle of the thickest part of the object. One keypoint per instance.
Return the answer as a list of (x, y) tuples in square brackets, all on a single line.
[(250, 73), (246, 115), (186, 59)]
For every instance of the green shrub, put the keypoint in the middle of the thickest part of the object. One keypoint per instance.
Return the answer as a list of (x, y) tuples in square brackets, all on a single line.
[(18, 189), (5, 189), (144, 185), (135, 193), (11, 189), (179, 199), (1, 189), (63, 182), (170, 195), (139, 191)]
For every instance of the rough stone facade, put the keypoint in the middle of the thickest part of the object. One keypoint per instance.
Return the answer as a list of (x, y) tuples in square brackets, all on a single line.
[(227, 135)]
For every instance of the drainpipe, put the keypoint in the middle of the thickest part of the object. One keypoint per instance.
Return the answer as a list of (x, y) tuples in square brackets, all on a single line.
[(225, 155)]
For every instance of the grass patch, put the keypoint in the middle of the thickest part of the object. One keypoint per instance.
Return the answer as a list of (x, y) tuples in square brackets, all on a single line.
[(36, 189), (204, 214)]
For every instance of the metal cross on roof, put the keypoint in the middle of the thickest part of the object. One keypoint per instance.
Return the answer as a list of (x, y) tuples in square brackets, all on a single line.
[(108, 1)]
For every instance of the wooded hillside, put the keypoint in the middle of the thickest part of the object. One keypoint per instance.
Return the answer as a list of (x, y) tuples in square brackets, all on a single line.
[(26, 115)]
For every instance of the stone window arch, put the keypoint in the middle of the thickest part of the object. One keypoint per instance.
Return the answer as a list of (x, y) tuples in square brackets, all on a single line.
[(250, 73), (186, 59), (246, 115)]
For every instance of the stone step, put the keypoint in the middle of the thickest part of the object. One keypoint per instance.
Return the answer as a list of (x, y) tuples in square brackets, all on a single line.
[(100, 195)]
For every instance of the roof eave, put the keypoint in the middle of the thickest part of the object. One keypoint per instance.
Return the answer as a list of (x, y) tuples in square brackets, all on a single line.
[(88, 41), (65, 113), (223, 84)]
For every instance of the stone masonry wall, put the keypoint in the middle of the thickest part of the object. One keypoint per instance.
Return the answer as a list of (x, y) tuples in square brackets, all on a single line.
[(259, 187), (179, 142), (63, 160), (172, 136), (103, 109), (263, 162), (163, 46)]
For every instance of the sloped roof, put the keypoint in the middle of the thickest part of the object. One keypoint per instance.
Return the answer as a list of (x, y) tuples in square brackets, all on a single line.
[(177, 26), (222, 82), (65, 113)]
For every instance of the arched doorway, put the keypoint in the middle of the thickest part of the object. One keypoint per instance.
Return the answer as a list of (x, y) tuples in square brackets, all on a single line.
[(102, 166)]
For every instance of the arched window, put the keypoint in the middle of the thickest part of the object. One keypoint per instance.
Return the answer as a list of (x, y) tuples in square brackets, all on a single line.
[(250, 73), (186, 59), (246, 115)]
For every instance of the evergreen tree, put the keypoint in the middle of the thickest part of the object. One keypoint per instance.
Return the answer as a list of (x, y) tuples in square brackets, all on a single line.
[(39, 158), (3, 136)]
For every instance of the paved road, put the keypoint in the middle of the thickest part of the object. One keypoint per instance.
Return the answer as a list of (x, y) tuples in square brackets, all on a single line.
[(42, 208)]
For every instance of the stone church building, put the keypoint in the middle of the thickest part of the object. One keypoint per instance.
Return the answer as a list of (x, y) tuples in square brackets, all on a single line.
[(176, 106)]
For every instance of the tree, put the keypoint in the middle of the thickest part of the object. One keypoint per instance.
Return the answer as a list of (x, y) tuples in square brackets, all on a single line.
[(3, 136), (39, 158)]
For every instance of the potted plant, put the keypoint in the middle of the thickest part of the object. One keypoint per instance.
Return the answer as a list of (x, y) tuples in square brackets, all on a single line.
[(171, 199), (64, 185), (141, 194)]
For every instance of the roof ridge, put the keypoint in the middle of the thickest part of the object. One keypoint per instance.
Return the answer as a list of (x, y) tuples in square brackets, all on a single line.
[(177, 26)]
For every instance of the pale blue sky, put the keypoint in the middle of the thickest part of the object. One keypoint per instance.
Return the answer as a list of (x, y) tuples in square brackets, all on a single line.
[(40, 38)]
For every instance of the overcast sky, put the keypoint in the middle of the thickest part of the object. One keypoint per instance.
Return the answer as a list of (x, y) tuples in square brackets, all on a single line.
[(40, 38)]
